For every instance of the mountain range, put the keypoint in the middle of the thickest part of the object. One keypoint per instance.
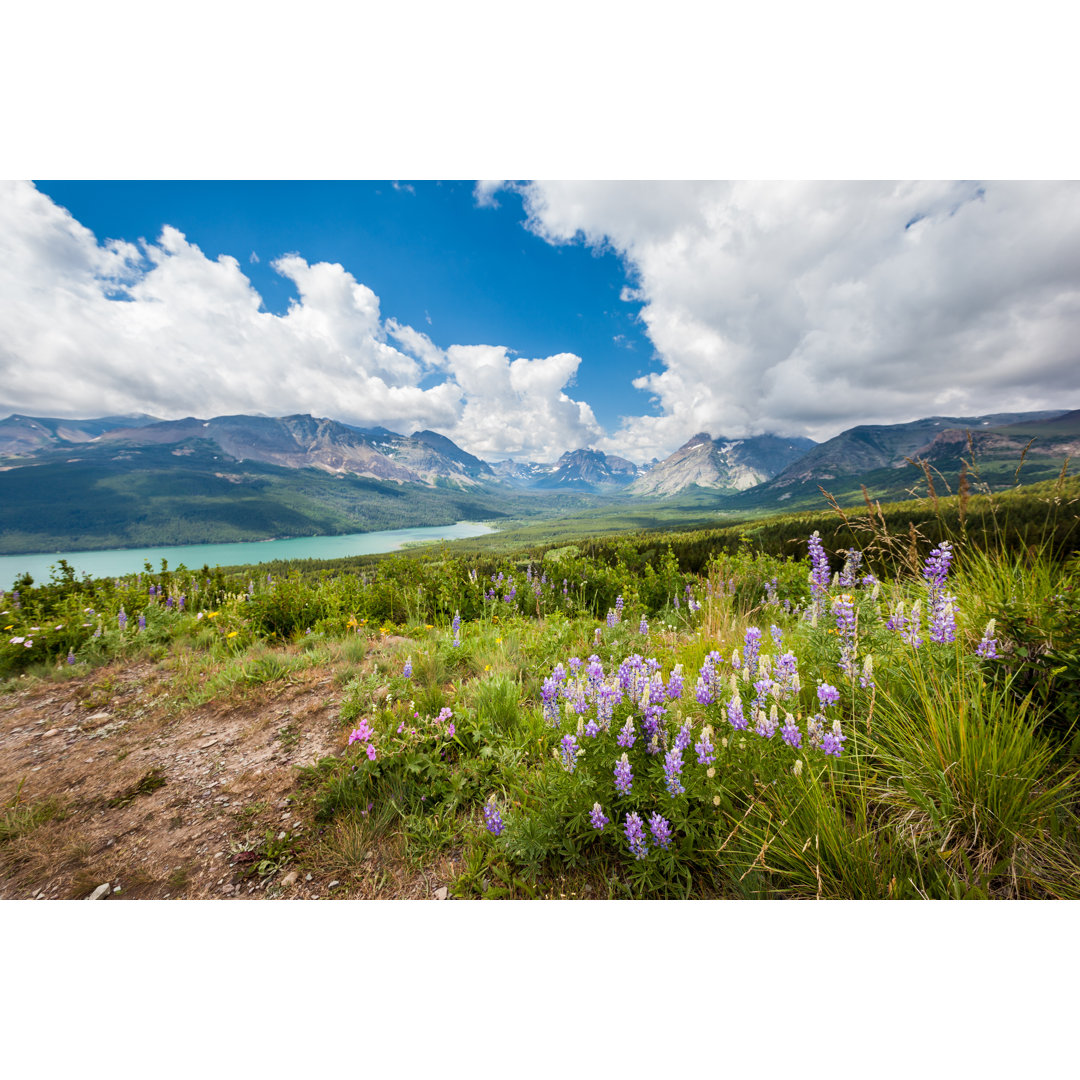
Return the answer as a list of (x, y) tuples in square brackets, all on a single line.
[(127, 480)]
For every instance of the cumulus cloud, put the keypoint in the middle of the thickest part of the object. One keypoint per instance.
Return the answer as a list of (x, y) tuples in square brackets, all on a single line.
[(808, 308), (89, 328)]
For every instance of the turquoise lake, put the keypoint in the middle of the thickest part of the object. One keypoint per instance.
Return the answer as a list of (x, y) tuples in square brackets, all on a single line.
[(113, 563)]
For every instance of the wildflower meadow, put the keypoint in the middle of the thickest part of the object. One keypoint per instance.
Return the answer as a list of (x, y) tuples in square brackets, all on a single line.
[(820, 724)]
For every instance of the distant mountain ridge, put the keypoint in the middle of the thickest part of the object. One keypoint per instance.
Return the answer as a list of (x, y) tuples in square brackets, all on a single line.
[(756, 472), (21, 435), (581, 470), (881, 446), (303, 441), (725, 465)]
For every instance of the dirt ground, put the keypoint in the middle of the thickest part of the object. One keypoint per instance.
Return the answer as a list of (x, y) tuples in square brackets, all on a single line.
[(156, 800)]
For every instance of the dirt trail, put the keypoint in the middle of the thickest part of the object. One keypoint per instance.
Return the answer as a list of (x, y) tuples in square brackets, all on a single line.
[(96, 749)]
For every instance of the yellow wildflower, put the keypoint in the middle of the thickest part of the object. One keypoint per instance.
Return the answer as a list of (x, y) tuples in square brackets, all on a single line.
[(487, 667), (211, 614), (232, 633)]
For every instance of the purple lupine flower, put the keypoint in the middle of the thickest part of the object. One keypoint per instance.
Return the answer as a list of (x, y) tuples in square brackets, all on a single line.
[(15, 602), (912, 635), (569, 745), (706, 752), (683, 739), (455, 628), (851, 568), (407, 670), (820, 574), (943, 619), (770, 592), (675, 683), (643, 626), (762, 688), (751, 648), (169, 602), (492, 818), (577, 697), (575, 663), (703, 689), (847, 625), (650, 717), (605, 704), (592, 729), (627, 735), (941, 605), (610, 619), (624, 778), (786, 675), (936, 567), (777, 636), (830, 743), (180, 603), (735, 714), (828, 695), (597, 818), (121, 618), (661, 830), (71, 656), (549, 695), (142, 622), (618, 607), (790, 732), (635, 836), (987, 648)]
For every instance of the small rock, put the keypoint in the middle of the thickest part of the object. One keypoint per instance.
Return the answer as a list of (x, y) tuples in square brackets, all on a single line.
[(289, 879), (308, 878), (227, 889), (207, 743), (100, 892), (49, 734), (441, 893), (332, 884)]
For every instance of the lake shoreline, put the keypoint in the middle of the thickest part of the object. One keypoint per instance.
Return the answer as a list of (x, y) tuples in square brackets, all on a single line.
[(116, 562)]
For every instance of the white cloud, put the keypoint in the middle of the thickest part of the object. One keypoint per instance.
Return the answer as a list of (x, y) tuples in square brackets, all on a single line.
[(89, 328), (485, 190), (808, 308)]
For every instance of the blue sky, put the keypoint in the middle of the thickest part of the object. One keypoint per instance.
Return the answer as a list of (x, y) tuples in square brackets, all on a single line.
[(526, 319), (459, 272)]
